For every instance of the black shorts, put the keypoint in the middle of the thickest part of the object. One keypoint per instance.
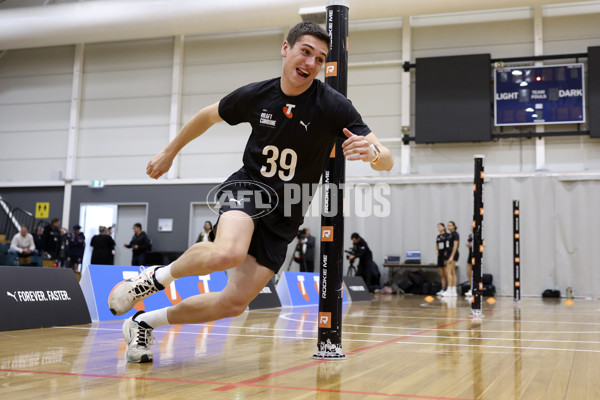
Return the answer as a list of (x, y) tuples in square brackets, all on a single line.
[(272, 231), (455, 256), (470, 259), (441, 261)]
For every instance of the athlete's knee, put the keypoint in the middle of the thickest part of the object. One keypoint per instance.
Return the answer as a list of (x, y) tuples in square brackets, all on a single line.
[(229, 256), (233, 307)]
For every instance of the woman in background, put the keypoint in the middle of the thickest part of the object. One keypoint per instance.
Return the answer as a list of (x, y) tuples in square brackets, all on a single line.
[(452, 246), (205, 235), (440, 251)]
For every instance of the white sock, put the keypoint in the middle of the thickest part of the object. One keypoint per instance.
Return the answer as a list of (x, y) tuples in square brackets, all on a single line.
[(154, 318), (163, 275)]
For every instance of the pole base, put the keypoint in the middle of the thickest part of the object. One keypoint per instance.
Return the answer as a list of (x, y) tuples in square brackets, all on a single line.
[(329, 356), (476, 314)]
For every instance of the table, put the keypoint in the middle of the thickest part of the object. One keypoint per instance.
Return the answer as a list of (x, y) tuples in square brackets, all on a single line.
[(392, 268)]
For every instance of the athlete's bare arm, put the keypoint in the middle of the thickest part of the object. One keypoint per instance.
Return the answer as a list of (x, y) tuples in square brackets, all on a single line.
[(359, 148), (195, 127)]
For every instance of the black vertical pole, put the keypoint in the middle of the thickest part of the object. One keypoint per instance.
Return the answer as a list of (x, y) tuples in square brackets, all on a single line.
[(516, 251), (329, 341), (477, 237)]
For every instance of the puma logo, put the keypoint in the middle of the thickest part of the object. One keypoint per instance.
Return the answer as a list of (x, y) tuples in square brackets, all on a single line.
[(237, 202), (305, 125), (12, 295)]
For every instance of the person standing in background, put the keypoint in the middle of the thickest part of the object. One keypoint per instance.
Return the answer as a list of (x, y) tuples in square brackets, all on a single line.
[(76, 248), (204, 236), (63, 247), (452, 246), (441, 252), (140, 244), (103, 245), (51, 239), (469, 293), (38, 238), (308, 246)]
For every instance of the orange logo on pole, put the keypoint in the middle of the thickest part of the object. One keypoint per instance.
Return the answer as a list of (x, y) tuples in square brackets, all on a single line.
[(324, 320), (327, 234), (331, 69)]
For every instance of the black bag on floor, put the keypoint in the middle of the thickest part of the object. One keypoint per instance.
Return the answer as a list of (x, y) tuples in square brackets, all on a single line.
[(417, 278), (435, 287), (551, 293), (487, 279), (406, 285), (426, 288), (488, 290)]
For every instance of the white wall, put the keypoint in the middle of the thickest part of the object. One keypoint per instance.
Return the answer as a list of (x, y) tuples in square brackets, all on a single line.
[(35, 91)]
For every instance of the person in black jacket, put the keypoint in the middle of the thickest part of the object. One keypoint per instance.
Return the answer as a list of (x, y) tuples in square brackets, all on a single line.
[(76, 248), (140, 244), (367, 268), (51, 240), (309, 253), (103, 245)]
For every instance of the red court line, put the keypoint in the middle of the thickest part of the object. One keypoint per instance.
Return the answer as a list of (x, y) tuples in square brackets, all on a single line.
[(313, 363), (305, 389), (225, 386)]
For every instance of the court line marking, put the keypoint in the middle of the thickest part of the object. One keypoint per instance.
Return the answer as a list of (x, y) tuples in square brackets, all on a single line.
[(314, 363), (500, 347), (305, 389), (510, 339), (286, 316), (311, 331)]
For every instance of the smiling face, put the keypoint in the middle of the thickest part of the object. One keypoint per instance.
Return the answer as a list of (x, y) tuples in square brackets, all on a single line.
[(302, 63)]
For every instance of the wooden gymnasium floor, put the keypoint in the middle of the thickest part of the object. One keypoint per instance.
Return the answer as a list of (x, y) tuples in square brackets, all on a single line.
[(397, 347)]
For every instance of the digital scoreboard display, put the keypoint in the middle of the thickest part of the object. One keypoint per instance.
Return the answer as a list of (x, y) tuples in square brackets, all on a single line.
[(539, 95)]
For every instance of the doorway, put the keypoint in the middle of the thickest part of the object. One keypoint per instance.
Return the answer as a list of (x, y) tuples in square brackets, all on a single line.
[(121, 216)]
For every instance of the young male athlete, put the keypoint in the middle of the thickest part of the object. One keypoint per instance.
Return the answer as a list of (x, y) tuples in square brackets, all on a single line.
[(295, 120)]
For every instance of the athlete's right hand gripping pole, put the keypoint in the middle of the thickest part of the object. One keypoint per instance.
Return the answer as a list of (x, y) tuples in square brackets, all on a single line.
[(329, 342)]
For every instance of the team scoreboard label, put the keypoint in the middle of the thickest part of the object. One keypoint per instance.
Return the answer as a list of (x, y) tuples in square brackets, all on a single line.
[(539, 95)]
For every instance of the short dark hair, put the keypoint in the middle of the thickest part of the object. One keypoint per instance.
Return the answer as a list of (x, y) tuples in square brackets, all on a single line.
[(307, 28), (355, 236), (138, 225)]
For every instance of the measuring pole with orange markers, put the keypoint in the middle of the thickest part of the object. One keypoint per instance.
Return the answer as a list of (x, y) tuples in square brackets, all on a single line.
[(329, 337), (516, 251), (476, 303)]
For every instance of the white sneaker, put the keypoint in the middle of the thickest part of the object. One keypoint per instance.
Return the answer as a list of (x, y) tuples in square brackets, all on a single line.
[(125, 294), (468, 293), (449, 293), (138, 336), (440, 293)]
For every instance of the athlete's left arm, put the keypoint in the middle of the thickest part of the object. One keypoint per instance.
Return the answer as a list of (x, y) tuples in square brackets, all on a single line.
[(359, 148)]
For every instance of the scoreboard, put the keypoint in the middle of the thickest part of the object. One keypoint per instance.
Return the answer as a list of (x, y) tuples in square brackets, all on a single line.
[(539, 95)]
